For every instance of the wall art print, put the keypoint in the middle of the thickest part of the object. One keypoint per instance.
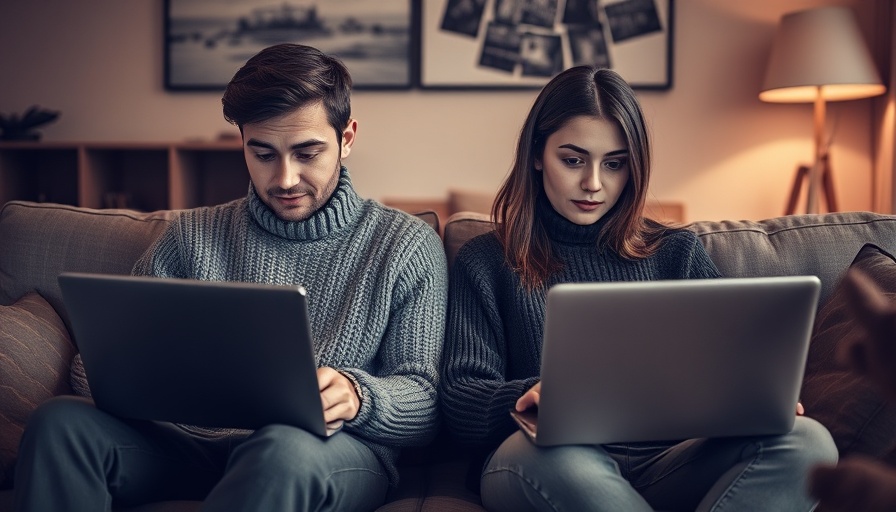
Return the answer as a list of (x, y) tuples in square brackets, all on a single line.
[(523, 43), (206, 41)]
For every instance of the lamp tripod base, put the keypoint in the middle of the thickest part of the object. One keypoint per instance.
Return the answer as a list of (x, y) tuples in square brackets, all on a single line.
[(827, 185)]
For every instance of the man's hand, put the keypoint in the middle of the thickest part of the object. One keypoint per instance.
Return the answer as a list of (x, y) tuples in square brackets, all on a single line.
[(530, 398), (338, 396)]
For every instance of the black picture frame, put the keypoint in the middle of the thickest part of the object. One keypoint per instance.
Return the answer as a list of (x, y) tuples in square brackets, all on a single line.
[(206, 41), (509, 44)]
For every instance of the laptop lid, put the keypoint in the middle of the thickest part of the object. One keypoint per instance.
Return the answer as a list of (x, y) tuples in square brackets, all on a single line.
[(670, 360), (212, 354)]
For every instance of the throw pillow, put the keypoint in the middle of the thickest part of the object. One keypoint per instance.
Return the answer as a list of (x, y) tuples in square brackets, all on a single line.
[(859, 417), (35, 352)]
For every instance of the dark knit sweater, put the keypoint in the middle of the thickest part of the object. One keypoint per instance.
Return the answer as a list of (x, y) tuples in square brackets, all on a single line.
[(494, 332), (376, 283)]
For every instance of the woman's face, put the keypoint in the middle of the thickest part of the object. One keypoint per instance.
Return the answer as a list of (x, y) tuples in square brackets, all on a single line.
[(585, 166)]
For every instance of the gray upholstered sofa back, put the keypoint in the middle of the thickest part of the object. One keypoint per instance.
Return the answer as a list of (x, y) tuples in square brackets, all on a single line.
[(41, 240), (822, 245)]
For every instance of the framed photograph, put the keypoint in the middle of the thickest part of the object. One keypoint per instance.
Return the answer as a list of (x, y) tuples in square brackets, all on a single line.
[(207, 41), (482, 44)]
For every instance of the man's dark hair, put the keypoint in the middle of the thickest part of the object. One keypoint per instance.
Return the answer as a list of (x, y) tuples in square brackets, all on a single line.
[(284, 77)]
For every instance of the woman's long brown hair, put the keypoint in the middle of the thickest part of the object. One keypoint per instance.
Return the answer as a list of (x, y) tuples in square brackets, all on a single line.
[(578, 91)]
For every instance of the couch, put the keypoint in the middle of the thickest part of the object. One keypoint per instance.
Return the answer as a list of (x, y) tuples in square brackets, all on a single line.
[(39, 240)]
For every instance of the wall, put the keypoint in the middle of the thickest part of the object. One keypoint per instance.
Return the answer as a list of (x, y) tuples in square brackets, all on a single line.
[(883, 184), (717, 147)]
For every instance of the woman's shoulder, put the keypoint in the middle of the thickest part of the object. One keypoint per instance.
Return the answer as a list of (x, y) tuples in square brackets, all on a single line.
[(682, 254), (481, 265), (675, 236), (481, 252), (484, 245), (676, 241)]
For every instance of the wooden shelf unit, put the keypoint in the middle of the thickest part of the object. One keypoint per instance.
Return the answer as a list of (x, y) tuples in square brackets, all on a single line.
[(144, 176)]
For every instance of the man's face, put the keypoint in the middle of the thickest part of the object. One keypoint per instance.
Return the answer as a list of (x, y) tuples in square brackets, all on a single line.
[(294, 160)]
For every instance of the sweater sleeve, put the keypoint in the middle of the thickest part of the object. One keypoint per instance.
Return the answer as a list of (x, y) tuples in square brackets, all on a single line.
[(700, 265), (684, 257), (399, 404), (164, 257), (476, 395)]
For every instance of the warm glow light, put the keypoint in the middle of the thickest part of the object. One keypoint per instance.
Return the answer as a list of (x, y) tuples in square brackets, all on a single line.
[(819, 55), (807, 93), (820, 47)]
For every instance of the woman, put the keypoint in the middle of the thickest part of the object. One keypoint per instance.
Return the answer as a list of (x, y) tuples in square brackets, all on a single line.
[(571, 210)]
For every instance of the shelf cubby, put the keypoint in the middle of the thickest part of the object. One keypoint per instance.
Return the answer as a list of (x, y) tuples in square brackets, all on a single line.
[(141, 176)]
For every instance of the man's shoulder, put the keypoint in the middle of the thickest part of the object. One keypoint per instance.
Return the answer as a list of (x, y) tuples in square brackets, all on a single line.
[(236, 205), (212, 215), (393, 217), (400, 237)]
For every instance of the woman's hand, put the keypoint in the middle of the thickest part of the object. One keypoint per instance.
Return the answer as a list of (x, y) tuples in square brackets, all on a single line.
[(800, 410), (530, 398), (338, 396)]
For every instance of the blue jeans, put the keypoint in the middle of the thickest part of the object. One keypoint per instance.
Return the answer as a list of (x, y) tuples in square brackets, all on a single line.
[(75, 457), (724, 474)]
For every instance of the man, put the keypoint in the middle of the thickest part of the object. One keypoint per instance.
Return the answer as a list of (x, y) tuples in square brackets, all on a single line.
[(376, 280)]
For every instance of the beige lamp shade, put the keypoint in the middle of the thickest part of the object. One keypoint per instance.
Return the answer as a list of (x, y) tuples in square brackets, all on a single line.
[(820, 49)]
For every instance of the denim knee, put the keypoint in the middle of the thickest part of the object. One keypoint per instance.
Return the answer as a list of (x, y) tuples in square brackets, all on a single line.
[(813, 441), (521, 476), (281, 452), (57, 418)]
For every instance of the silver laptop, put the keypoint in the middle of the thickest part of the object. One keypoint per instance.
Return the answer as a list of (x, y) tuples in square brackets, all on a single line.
[(212, 354), (669, 360)]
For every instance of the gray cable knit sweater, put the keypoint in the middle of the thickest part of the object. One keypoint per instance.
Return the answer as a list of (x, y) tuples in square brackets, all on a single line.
[(376, 283), (494, 331)]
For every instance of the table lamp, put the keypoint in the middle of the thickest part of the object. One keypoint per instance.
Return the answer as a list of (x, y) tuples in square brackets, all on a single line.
[(819, 55)]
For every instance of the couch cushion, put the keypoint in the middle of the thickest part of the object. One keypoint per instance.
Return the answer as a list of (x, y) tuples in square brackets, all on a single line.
[(461, 227), (35, 351), (40, 240), (859, 417), (430, 217), (434, 487), (821, 245)]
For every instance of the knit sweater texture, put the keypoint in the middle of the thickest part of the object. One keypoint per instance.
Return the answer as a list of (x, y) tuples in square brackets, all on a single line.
[(376, 284), (495, 327)]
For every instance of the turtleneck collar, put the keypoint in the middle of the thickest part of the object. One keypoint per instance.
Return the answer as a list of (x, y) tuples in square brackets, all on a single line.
[(560, 229), (341, 210)]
